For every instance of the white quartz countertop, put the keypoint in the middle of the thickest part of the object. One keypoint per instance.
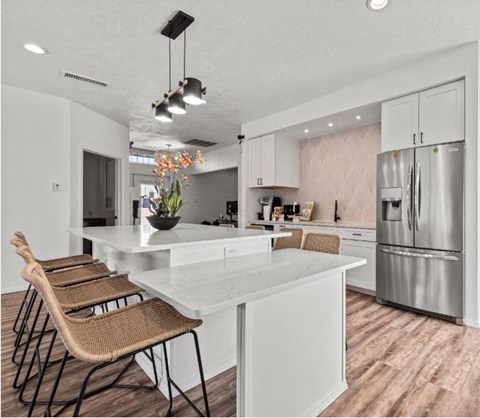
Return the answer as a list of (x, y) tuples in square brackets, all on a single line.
[(144, 238), (328, 224), (201, 289)]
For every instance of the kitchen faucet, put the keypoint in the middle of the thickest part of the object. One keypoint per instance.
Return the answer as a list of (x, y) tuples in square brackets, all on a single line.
[(335, 216)]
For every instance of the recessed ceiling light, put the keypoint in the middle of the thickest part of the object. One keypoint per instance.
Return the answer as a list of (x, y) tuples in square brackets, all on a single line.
[(306, 131), (376, 4), (358, 117), (330, 124), (35, 49)]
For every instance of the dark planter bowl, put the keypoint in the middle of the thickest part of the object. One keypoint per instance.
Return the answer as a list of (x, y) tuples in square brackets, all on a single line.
[(163, 223)]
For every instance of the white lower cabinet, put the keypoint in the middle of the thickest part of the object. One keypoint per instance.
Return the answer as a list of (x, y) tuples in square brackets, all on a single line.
[(363, 276), (356, 242)]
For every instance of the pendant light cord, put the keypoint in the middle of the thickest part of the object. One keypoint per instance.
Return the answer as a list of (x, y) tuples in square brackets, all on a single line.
[(169, 64), (184, 52)]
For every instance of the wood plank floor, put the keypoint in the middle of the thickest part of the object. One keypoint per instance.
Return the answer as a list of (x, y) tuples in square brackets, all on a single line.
[(398, 364)]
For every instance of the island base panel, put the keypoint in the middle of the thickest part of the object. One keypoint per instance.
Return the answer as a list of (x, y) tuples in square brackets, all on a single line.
[(291, 350)]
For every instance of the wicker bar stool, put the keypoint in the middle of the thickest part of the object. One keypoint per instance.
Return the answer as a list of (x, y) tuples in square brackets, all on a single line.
[(259, 227), (77, 297), (116, 335), (59, 278), (58, 263), (47, 265), (294, 241), (323, 242)]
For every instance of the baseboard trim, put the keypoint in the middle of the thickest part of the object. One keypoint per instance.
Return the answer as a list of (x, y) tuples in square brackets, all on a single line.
[(359, 289), (14, 289), (186, 384), (470, 323), (326, 400)]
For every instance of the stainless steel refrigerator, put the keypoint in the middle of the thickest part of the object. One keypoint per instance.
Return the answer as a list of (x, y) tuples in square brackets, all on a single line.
[(420, 228)]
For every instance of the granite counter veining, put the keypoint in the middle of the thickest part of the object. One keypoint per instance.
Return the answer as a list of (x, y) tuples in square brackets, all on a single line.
[(144, 238), (203, 288)]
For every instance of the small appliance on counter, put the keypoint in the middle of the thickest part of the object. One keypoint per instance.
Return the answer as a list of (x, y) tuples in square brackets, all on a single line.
[(267, 204), (289, 211), (232, 209)]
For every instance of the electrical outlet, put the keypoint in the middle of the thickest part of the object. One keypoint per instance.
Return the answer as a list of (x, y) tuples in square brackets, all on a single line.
[(56, 187), (231, 251)]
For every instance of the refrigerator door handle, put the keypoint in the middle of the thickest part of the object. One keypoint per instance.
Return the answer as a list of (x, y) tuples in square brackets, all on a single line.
[(420, 255), (417, 196), (409, 196)]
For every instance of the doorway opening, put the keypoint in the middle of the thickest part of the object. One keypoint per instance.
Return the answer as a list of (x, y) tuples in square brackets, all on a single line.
[(99, 192)]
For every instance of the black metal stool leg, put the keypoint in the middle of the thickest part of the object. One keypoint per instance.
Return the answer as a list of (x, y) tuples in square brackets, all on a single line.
[(81, 396), (25, 319), (48, 409), (24, 303), (27, 346), (154, 369), (167, 370), (202, 377)]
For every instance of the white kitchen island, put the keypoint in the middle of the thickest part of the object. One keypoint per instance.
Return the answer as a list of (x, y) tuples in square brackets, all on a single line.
[(280, 316)]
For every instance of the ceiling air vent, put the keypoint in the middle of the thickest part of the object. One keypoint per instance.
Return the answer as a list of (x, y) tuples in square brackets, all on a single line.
[(200, 143), (85, 79)]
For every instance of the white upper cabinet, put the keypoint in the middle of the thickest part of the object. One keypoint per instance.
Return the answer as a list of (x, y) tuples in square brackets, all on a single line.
[(433, 116), (254, 162), (267, 177), (273, 161), (400, 123), (442, 111)]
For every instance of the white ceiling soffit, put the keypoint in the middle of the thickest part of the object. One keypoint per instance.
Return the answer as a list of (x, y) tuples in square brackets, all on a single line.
[(255, 57), (349, 119)]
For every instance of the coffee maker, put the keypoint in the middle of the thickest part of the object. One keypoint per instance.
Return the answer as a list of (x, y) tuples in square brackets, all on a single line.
[(267, 204)]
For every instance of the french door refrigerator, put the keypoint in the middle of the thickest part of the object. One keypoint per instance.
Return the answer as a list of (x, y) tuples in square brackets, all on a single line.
[(420, 228)]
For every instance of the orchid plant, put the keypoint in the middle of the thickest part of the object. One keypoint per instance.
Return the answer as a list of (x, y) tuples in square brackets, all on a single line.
[(169, 201)]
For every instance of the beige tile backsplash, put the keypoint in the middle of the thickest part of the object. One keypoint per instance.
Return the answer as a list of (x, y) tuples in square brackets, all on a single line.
[(339, 166)]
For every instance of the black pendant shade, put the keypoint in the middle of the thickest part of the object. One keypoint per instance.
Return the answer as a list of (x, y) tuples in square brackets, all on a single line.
[(176, 104), (192, 91), (162, 114)]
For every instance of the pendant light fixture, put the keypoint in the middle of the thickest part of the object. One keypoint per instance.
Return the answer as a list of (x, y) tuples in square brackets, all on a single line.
[(174, 101), (176, 104), (162, 114), (192, 92)]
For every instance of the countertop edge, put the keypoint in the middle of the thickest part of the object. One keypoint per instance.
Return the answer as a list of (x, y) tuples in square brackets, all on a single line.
[(188, 244), (202, 312)]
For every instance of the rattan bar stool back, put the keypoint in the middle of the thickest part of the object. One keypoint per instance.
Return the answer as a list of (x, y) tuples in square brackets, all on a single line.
[(294, 241), (323, 242)]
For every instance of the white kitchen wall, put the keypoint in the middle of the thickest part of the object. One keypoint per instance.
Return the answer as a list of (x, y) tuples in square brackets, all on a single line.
[(93, 132), (43, 138), (447, 66), (35, 153), (340, 166)]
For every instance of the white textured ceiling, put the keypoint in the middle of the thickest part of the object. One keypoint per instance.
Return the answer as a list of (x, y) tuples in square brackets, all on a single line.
[(256, 57)]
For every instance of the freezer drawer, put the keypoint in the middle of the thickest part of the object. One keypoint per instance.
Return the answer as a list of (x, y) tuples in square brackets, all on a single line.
[(427, 280)]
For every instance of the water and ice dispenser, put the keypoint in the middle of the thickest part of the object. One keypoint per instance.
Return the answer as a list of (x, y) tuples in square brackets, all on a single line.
[(391, 203)]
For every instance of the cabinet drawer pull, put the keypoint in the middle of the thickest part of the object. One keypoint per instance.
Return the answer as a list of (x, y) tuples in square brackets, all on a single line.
[(357, 234), (421, 137), (414, 136)]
